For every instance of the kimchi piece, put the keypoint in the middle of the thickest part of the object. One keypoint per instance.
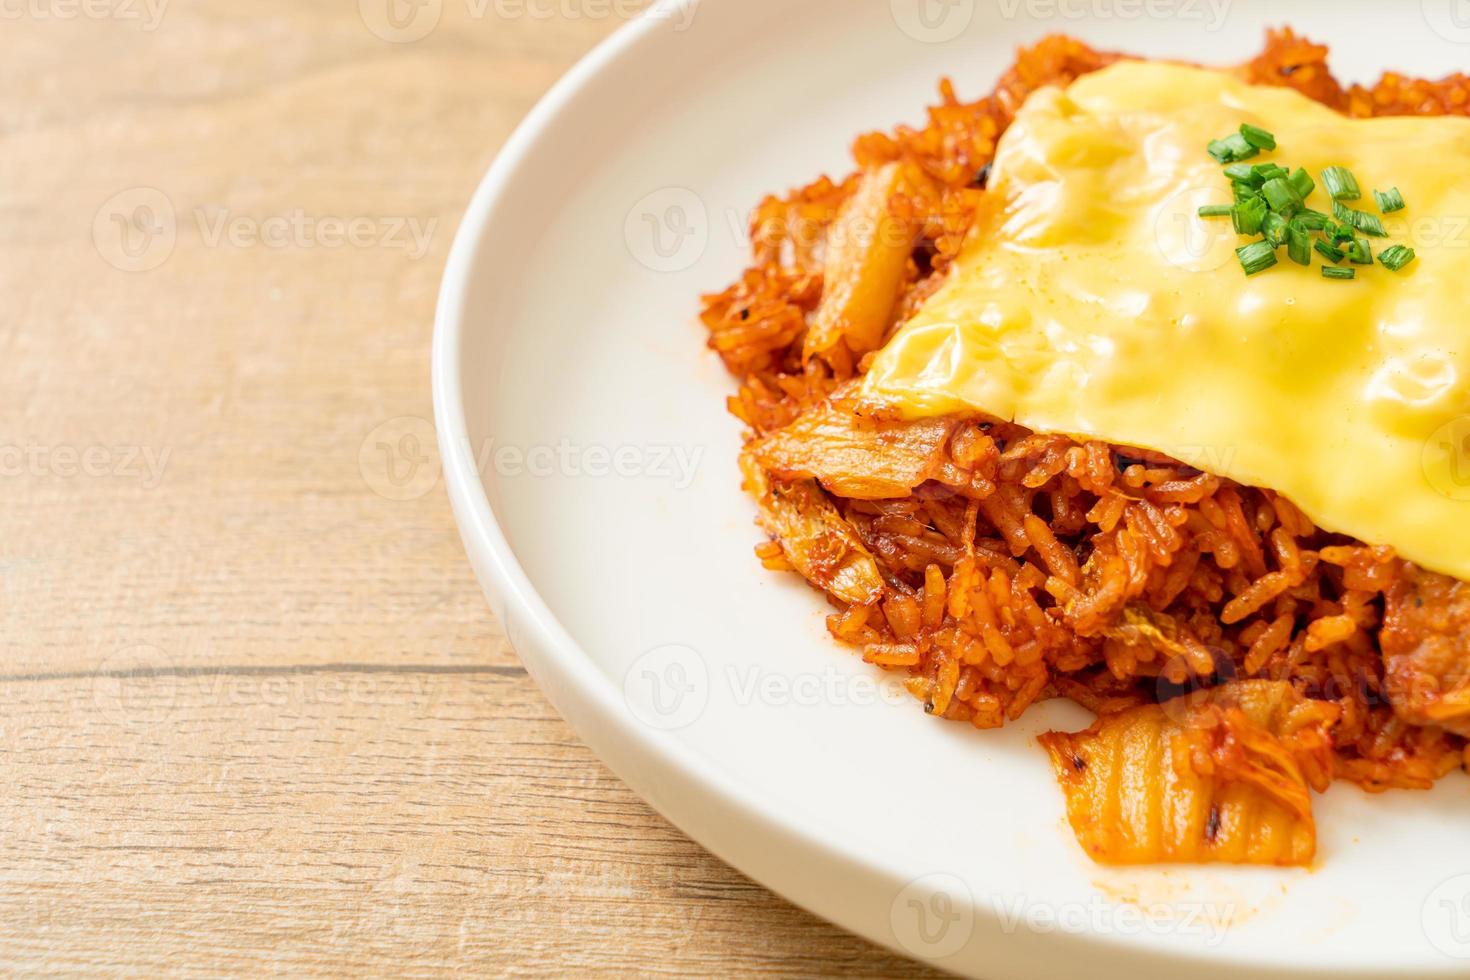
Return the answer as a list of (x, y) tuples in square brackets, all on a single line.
[(1221, 776), (855, 457)]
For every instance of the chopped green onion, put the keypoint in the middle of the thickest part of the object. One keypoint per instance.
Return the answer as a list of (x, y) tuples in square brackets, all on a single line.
[(1341, 184), (1248, 215), (1311, 220), (1265, 171), (1244, 173), (1273, 226), (1389, 201), (1231, 149), (1303, 182), (1256, 257), (1257, 137), (1395, 257), (1270, 201), (1281, 195), (1368, 224), (1298, 245)]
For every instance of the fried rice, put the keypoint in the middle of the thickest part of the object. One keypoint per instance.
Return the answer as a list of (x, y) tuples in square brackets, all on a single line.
[(994, 566)]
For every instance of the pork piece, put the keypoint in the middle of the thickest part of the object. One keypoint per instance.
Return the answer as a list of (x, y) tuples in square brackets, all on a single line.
[(1426, 649)]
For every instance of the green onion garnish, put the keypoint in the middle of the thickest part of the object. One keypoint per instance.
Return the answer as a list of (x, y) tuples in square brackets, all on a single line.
[(1298, 245), (1248, 216), (1395, 257), (1274, 226), (1367, 223), (1281, 196), (1257, 137), (1271, 201), (1303, 182), (1389, 201), (1341, 184), (1244, 173), (1231, 149), (1265, 171), (1256, 257), (1310, 219)]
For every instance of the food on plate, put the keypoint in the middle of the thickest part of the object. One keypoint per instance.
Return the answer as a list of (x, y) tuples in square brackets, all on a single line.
[(1138, 384), (1221, 775)]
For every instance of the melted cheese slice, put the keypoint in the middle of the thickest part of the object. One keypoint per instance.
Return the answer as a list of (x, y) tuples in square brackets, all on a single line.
[(1092, 301)]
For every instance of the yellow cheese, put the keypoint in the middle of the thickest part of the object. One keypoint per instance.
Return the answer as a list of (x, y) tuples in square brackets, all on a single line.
[(1091, 300)]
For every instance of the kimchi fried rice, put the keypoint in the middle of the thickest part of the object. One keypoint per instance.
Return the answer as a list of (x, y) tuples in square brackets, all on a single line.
[(1206, 623)]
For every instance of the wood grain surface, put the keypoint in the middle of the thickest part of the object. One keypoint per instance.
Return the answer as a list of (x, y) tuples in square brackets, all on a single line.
[(256, 715)]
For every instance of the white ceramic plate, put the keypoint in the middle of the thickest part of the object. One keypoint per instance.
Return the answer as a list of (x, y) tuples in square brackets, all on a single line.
[(592, 468)]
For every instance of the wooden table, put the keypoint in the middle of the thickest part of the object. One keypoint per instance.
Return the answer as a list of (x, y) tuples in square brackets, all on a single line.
[(256, 715)]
